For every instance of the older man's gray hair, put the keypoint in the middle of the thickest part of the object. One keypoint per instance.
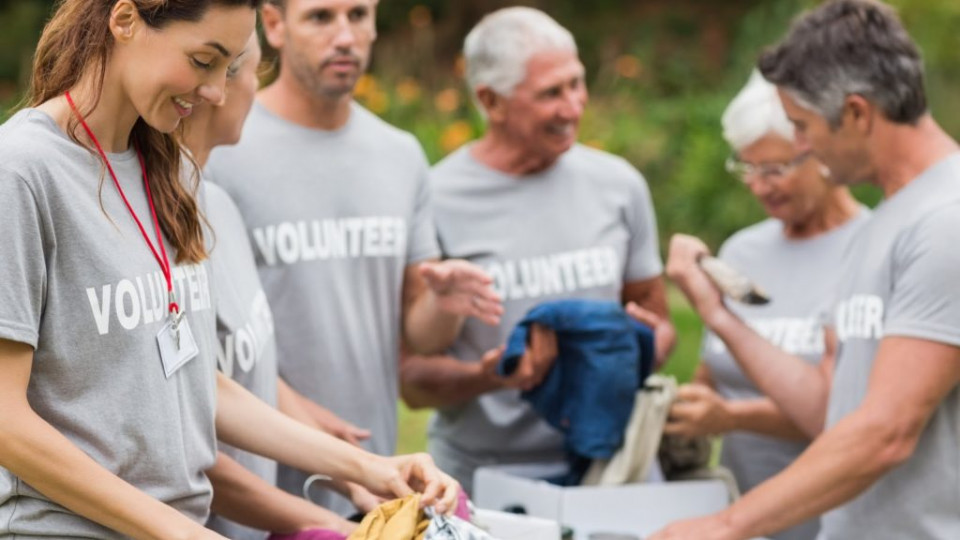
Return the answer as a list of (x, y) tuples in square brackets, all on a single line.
[(849, 47), (498, 48)]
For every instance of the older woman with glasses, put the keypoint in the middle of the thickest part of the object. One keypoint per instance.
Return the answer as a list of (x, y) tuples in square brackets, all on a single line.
[(794, 256)]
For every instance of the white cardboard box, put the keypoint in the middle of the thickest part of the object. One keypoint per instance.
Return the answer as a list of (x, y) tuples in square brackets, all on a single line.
[(639, 509), (504, 526)]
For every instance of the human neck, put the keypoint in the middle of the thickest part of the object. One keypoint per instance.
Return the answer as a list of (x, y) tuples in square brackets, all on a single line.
[(838, 208), (289, 100), (111, 121), (501, 153), (197, 139), (201, 156), (904, 152)]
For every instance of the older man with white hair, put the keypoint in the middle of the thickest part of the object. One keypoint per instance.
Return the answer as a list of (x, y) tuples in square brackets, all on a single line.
[(548, 219)]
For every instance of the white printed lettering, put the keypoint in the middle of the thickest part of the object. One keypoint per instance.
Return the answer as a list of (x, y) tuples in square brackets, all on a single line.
[(555, 274), (101, 309)]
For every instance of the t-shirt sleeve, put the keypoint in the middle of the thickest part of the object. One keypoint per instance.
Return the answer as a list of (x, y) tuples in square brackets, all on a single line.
[(422, 234), (925, 301), (643, 248), (22, 262)]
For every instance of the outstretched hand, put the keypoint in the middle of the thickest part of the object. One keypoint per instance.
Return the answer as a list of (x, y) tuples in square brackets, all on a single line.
[(463, 288)]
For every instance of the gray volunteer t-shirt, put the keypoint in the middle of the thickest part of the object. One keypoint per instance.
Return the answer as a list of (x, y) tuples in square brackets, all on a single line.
[(248, 350), (85, 291), (580, 229), (902, 281), (800, 276), (334, 218)]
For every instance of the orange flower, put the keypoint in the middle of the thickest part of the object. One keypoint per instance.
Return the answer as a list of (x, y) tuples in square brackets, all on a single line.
[(628, 66), (378, 102), (408, 90), (366, 85), (447, 100), (455, 135)]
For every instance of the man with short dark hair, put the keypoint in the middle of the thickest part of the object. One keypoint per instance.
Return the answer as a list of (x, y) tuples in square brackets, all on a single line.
[(887, 463), (337, 206)]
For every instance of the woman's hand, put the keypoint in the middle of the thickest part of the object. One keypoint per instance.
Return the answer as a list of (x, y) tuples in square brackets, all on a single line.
[(400, 476), (698, 411), (684, 270)]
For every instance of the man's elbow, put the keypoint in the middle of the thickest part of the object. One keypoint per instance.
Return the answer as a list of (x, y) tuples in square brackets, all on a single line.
[(419, 342), (411, 388), (892, 441), (815, 421), (413, 399)]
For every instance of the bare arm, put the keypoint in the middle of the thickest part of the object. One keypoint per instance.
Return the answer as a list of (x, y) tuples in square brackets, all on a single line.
[(910, 378), (243, 497), (764, 417), (438, 381), (701, 411), (444, 381), (306, 411), (708, 413), (41, 456), (799, 389), (651, 297), (437, 299), (247, 423)]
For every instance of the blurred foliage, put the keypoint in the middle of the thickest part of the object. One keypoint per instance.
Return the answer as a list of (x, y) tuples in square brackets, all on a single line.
[(660, 74)]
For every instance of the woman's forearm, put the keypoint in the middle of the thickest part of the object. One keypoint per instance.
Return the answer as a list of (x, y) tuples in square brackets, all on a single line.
[(764, 417), (246, 422), (243, 497)]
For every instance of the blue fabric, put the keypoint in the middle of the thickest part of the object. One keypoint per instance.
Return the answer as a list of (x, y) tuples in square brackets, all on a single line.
[(603, 357)]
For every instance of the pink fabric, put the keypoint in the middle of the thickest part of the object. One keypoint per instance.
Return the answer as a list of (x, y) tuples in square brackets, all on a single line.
[(463, 508), (309, 534)]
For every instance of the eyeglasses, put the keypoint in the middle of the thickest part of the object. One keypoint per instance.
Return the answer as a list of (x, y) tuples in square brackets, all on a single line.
[(768, 172)]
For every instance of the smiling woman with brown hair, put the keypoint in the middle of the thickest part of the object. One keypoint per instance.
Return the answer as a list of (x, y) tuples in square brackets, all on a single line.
[(107, 387)]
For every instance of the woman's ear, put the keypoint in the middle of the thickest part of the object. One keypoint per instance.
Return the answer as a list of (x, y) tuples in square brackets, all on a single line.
[(125, 20)]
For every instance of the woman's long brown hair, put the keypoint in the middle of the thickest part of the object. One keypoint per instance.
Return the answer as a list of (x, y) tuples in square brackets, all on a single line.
[(77, 40)]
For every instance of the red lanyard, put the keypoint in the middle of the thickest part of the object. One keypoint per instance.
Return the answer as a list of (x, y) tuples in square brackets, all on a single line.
[(161, 256)]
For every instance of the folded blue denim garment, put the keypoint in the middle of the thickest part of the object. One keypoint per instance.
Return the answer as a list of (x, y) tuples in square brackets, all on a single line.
[(604, 355)]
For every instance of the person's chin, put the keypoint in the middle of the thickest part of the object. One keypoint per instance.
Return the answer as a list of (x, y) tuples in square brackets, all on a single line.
[(165, 123), (777, 210)]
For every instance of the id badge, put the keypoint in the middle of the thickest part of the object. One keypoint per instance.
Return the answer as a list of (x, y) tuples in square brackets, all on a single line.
[(172, 356)]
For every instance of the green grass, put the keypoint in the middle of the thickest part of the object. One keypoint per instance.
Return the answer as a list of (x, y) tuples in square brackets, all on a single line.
[(412, 434)]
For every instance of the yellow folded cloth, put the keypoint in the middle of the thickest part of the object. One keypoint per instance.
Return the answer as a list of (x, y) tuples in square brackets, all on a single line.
[(399, 519)]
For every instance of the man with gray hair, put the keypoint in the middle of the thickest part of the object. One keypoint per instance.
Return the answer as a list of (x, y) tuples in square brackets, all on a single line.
[(887, 462), (526, 202)]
